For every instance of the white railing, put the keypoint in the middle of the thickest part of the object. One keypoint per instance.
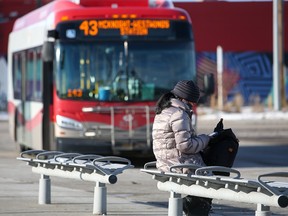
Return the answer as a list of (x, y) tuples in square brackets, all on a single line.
[(95, 168), (231, 188)]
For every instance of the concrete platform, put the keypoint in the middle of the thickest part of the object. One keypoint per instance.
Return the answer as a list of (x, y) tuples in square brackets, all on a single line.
[(134, 194)]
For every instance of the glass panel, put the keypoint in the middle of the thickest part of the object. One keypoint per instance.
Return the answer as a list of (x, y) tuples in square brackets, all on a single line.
[(38, 83), (84, 70), (115, 72), (30, 75), (159, 67), (17, 75)]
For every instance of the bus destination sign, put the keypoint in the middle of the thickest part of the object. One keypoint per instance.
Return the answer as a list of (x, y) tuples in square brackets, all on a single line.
[(125, 27)]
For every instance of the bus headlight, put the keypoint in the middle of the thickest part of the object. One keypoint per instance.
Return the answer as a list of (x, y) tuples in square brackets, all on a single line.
[(68, 123)]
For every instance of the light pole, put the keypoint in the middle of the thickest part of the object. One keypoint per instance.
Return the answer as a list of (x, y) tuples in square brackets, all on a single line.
[(279, 99), (220, 76)]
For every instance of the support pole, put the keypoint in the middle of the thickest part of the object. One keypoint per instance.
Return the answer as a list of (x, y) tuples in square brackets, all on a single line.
[(175, 204), (100, 199), (278, 56), (262, 210), (44, 190), (220, 77)]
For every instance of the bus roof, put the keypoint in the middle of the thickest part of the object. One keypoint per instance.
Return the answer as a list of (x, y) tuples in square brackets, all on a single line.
[(64, 10)]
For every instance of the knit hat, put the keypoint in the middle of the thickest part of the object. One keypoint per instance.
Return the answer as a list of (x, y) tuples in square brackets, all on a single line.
[(187, 90)]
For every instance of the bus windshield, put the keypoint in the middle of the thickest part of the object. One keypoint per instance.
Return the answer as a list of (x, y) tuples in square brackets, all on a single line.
[(122, 70)]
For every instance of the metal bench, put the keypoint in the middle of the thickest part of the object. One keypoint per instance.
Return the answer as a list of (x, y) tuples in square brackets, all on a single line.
[(95, 168), (204, 183)]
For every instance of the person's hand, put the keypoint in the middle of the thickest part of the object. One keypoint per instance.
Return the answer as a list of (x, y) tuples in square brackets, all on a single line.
[(219, 126)]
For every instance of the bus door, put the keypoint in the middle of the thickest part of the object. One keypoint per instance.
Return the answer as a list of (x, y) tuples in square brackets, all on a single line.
[(29, 98)]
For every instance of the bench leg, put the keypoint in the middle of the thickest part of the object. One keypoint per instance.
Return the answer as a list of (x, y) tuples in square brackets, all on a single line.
[(175, 207), (262, 210), (44, 190), (100, 199)]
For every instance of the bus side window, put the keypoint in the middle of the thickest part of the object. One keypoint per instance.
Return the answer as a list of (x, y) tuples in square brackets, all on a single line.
[(38, 76), (33, 70), (17, 62), (29, 75)]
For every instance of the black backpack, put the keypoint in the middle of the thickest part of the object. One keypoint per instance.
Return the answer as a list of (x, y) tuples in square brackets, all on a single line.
[(221, 150)]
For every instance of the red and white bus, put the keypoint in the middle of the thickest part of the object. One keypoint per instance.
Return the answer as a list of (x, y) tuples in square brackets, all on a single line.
[(85, 75)]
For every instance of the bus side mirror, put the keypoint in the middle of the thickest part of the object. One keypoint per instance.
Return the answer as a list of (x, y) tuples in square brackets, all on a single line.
[(209, 84), (48, 51)]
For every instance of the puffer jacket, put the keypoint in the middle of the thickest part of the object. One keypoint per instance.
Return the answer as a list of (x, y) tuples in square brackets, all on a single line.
[(174, 138)]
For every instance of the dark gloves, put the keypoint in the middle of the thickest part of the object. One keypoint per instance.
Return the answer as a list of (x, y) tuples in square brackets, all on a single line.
[(219, 126), (217, 130)]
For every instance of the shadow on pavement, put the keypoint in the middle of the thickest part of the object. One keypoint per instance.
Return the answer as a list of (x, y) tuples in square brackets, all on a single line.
[(262, 156)]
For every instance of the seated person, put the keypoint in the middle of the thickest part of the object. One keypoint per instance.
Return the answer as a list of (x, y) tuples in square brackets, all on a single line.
[(175, 140)]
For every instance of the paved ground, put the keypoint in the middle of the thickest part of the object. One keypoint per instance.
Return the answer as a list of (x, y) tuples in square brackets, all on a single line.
[(136, 193)]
